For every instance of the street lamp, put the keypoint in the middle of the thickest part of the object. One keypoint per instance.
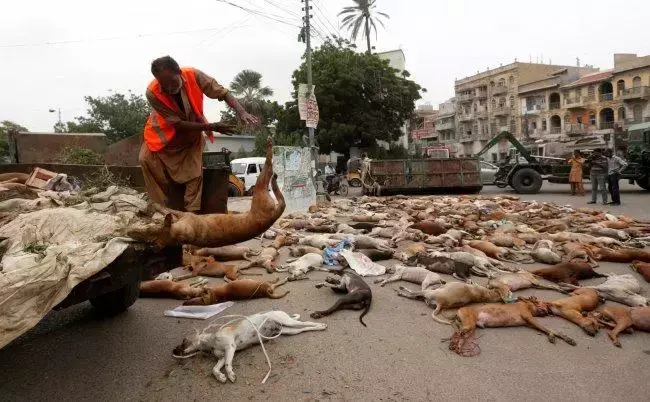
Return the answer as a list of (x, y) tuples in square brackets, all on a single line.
[(59, 113)]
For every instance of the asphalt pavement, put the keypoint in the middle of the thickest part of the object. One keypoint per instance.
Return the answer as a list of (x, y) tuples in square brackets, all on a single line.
[(76, 355)]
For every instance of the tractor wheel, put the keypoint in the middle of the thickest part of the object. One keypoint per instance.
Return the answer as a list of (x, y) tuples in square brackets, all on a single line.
[(526, 181), (355, 183), (644, 182)]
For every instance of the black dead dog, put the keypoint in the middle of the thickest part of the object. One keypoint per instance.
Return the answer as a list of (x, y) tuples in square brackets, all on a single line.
[(442, 265), (376, 255), (357, 295)]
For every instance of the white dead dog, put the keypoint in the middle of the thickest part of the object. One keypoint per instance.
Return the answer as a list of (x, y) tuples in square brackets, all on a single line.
[(299, 267), (417, 275), (623, 289), (239, 334), (543, 252)]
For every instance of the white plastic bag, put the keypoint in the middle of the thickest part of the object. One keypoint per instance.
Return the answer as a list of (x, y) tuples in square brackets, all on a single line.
[(198, 312), (362, 265)]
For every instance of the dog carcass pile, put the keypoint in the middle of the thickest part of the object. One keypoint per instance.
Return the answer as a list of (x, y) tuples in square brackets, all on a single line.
[(448, 245)]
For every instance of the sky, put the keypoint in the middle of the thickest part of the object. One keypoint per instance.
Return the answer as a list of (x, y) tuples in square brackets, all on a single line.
[(52, 54)]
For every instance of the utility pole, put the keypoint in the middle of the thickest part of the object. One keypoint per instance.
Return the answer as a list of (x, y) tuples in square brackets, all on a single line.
[(308, 54)]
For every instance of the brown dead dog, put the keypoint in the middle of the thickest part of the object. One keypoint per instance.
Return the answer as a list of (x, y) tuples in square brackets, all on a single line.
[(443, 265), (568, 272), (169, 288), (497, 315), (579, 252), (432, 228), (241, 289), (419, 275), (571, 308), (220, 229), (625, 318), (501, 253), (209, 267), (265, 259), (622, 255), (376, 255), (357, 295), (225, 253), (408, 254), (457, 294), (643, 268), (284, 240)]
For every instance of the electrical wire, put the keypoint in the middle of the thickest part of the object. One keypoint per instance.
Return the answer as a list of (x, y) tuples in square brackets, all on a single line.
[(259, 13), (335, 29)]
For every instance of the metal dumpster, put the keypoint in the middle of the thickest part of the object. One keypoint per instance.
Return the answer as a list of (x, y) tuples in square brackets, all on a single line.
[(381, 177)]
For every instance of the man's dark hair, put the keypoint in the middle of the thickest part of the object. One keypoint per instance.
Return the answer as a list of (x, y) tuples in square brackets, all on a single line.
[(164, 63)]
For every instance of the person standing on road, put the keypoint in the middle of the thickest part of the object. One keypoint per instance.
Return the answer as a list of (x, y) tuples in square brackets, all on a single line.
[(615, 165), (575, 176), (172, 150), (598, 175)]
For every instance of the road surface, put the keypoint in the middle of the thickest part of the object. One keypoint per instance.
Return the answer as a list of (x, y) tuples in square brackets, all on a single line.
[(76, 355)]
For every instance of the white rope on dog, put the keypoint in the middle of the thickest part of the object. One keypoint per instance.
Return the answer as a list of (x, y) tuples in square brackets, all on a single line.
[(238, 317)]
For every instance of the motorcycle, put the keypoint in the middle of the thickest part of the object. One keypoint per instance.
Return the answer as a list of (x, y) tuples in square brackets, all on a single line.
[(335, 184)]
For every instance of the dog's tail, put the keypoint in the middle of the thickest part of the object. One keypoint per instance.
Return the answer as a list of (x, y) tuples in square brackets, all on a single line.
[(365, 312)]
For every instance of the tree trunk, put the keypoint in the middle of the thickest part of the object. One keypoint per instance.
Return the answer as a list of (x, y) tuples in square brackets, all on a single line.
[(368, 35)]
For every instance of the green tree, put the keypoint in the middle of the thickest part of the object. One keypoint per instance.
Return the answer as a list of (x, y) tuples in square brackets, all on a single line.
[(6, 127), (362, 14), (118, 116), (247, 88), (361, 99)]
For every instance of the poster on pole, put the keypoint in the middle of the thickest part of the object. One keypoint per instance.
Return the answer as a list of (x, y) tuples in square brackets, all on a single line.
[(307, 106), (295, 177)]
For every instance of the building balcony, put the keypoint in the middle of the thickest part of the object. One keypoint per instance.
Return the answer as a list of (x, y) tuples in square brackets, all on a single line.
[(576, 128), (606, 97), (465, 97), (482, 94), (534, 110), (499, 89), (635, 93), (468, 138), (579, 102), (465, 117), (501, 111), (607, 125), (637, 120), (555, 130), (445, 126), (536, 133), (553, 105)]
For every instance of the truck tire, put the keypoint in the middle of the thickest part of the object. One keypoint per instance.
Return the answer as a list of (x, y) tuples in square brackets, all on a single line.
[(644, 182), (526, 181), (233, 191), (117, 301), (355, 183)]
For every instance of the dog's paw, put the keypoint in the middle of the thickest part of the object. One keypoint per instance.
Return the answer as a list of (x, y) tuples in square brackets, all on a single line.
[(231, 376), (219, 376)]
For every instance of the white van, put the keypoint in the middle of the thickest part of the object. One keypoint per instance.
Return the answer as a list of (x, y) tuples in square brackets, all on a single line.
[(247, 169)]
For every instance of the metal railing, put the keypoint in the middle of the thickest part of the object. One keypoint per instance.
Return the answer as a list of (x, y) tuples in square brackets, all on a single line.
[(635, 93), (555, 130), (604, 125), (606, 97), (499, 89)]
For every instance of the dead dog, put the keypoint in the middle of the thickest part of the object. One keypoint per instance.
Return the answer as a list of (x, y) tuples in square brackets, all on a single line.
[(357, 295), (419, 275), (231, 337)]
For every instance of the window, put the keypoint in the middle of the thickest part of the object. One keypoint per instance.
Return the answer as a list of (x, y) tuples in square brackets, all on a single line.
[(636, 82), (591, 91), (578, 93), (620, 86), (533, 125), (511, 80), (544, 124), (502, 102), (621, 113), (512, 101), (494, 103), (502, 82), (579, 119), (252, 169), (592, 119), (494, 157), (567, 119)]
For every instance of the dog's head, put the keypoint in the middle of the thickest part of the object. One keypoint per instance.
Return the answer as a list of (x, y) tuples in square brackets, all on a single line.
[(191, 345)]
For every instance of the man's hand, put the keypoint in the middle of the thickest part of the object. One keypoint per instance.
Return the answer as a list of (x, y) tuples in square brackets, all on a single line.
[(248, 119), (222, 128)]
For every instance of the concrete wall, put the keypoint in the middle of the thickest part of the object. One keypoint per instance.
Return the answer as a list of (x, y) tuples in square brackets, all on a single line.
[(47, 147), (125, 152)]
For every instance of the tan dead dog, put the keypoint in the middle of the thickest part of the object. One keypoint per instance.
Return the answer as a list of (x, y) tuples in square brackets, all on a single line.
[(457, 294), (624, 319), (417, 275)]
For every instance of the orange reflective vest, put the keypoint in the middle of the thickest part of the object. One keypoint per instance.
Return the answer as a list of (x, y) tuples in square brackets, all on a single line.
[(157, 132)]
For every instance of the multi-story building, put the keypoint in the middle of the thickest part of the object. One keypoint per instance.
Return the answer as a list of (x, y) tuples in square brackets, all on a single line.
[(423, 126), (577, 108), (487, 102), (446, 125)]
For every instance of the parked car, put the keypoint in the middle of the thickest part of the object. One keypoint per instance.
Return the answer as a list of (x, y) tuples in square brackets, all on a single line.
[(488, 170), (247, 169)]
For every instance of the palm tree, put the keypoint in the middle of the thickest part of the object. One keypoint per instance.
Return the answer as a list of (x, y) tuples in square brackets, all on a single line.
[(362, 13), (247, 87)]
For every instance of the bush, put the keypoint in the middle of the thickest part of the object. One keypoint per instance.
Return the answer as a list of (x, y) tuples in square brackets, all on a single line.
[(80, 156)]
